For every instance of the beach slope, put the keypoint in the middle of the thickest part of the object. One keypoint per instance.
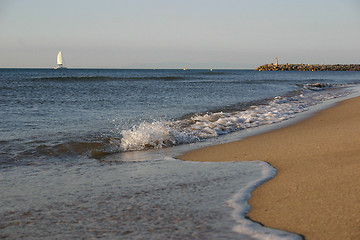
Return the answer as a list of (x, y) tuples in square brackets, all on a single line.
[(316, 192)]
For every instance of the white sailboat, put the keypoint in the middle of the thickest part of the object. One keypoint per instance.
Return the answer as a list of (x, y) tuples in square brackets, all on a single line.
[(59, 61)]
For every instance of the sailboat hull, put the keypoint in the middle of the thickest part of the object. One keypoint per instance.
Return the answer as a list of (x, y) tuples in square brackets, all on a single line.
[(60, 67)]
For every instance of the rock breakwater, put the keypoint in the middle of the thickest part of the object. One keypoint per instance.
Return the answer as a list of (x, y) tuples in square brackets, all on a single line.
[(309, 67)]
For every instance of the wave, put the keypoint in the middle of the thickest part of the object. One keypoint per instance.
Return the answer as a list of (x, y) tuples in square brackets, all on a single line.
[(106, 78), (199, 127), (195, 127), (64, 149), (319, 86)]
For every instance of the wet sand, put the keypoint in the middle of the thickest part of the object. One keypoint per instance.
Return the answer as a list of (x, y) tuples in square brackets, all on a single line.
[(316, 192)]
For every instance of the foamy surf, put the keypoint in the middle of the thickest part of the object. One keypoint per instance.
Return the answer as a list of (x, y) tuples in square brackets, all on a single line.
[(159, 134), (198, 127), (241, 207)]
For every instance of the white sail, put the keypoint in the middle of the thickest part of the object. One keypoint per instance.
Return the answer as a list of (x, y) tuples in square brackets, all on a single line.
[(59, 60)]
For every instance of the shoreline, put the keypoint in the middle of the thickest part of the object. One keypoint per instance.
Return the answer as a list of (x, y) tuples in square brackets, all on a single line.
[(314, 193)]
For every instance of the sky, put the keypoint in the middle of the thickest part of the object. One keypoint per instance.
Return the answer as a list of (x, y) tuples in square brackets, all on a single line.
[(235, 34)]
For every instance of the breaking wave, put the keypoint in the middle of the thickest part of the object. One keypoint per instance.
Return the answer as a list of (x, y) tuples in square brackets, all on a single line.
[(199, 127), (194, 128)]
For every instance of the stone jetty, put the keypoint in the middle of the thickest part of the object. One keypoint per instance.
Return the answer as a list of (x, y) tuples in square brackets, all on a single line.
[(308, 67)]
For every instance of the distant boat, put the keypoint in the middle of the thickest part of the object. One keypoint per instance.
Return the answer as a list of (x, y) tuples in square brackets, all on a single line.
[(59, 62)]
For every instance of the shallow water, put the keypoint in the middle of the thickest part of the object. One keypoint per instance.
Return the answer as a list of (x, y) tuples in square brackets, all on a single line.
[(157, 199)]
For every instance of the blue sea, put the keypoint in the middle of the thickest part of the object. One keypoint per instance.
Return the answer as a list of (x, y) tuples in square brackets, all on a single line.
[(91, 153)]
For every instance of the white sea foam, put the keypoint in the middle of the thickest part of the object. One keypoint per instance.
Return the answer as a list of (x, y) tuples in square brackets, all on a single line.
[(160, 134), (241, 208), (157, 134)]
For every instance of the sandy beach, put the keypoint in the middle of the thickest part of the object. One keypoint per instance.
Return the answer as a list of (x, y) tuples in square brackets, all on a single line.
[(316, 192)]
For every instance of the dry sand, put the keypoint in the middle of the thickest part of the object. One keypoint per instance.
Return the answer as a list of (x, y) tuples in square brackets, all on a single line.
[(316, 192)]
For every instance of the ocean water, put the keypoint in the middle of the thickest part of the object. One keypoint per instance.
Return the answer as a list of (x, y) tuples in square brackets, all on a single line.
[(89, 153)]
